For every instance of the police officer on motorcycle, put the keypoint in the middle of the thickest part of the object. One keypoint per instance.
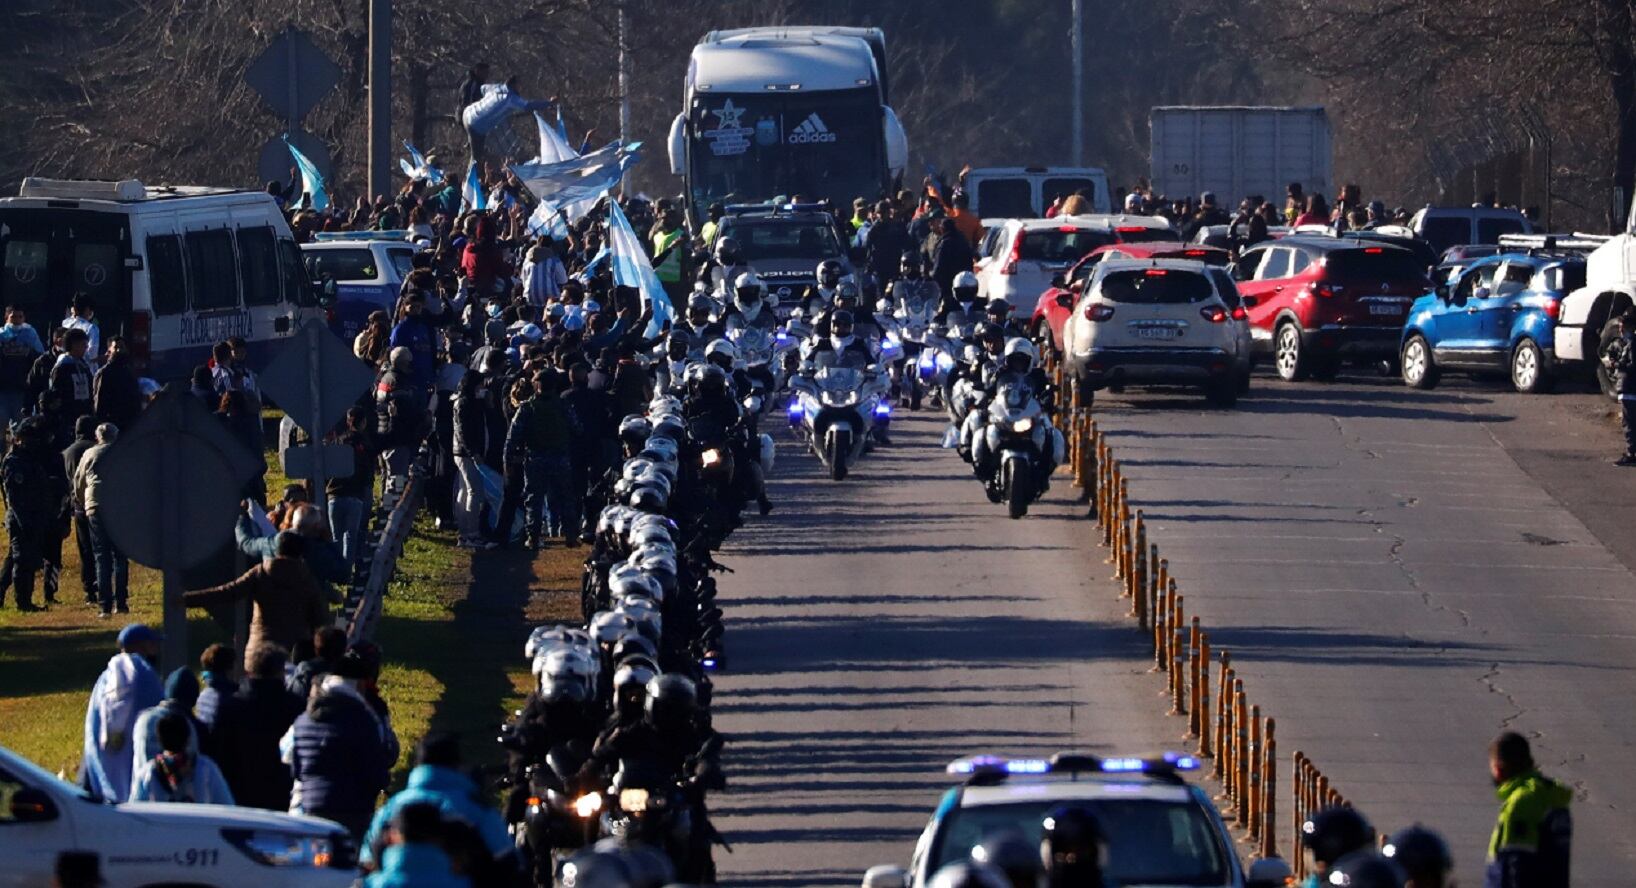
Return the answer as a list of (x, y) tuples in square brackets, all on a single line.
[(842, 347), (750, 306), (722, 270), (912, 286), (960, 308), (818, 298), (697, 328), (998, 312), (1331, 834)]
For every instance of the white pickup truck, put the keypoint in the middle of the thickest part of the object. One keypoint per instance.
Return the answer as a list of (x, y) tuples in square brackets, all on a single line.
[(1586, 324)]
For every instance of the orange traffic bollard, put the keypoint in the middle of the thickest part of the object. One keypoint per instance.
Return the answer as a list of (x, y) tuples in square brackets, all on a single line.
[(1252, 769), (1241, 740), (1269, 794), (1195, 716), (1204, 696)]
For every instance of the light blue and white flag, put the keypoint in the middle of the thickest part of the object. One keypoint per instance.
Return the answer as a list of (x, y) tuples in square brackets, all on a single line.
[(471, 194), (546, 220), (554, 147), (312, 182), (417, 168), (576, 179), (632, 268), (590, 269)]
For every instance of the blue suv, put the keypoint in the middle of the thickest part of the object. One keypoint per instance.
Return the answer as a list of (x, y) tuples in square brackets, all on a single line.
[(1496, 315)]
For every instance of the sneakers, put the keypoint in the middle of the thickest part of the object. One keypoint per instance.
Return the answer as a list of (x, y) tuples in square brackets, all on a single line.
[(1628, 459), (122, 609)]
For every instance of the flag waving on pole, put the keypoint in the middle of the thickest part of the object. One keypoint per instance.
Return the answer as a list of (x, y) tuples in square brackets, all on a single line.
[(632, 268), (417, 167), (471, 194), (554, 147), (312, 182)]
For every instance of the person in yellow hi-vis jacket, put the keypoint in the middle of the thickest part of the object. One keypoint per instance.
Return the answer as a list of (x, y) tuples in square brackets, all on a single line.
[(1534, 832)]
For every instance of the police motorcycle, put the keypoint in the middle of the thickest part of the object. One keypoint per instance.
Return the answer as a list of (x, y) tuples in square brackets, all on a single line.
[(972, 376), (839, 403), (699, 325), (1016, 446), (910, 312), (753, 329)]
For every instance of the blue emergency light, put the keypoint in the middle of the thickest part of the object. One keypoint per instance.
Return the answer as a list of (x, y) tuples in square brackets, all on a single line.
[(1067, 763), (883, 410)]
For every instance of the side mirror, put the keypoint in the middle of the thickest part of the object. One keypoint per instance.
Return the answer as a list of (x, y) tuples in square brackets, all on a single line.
[(1065, 300), (1249, 301), (1441, 291), (1482, 293), (1059, 281), (886, 877), (30, 806)]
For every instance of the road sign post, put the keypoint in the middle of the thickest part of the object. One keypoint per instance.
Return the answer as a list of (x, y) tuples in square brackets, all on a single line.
[(315, 379)]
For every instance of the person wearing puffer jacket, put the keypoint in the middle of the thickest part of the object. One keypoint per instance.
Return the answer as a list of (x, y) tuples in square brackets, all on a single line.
[(337, 752), (413, 856)]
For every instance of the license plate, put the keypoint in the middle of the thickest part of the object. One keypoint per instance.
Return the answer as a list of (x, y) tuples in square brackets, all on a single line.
[(1155, 333), (1378, 309)]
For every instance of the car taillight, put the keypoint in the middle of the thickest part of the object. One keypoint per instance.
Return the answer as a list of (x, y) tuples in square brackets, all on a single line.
[(1239, 314), (141, 339), (1215, 314), (1327, 290), (1098, 311), (1010, 266), (1553, 308)]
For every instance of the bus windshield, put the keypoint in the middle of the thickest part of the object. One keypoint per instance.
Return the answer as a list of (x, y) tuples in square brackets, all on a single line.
[(47, 255), (749, 148)]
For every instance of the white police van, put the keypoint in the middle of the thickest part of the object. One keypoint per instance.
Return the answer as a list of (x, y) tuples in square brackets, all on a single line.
[(143, 844), (368, 268), (174, 269)]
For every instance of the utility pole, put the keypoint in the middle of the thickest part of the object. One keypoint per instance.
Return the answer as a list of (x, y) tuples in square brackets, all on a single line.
[(624, 87), (380, 97), (1077, 115)]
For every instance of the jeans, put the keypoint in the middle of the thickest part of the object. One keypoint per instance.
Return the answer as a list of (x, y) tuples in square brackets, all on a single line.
[(88, 556), (113, 568), (547, 495), (468, 497), (346, 521)]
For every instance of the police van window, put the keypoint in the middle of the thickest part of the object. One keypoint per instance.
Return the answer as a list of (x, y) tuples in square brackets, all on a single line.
[(167, 281), (297, 288), (258, 266), (1006, 199), (342, 265), (403, 261), (213, 278), (26, 279), (1052, 189), (1489, 229)]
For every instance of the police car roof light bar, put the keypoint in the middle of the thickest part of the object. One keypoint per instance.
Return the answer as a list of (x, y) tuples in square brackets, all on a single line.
[(993, 769)]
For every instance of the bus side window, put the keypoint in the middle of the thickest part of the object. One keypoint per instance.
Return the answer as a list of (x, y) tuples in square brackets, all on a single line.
[(297, 286), (213, 278), (258, 266), (167, 279)]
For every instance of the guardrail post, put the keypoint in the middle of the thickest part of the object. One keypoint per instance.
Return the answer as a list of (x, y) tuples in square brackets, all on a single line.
[(1298, 785), (1269, 793), (1088, 456), (1223, 705), (1195, 716)]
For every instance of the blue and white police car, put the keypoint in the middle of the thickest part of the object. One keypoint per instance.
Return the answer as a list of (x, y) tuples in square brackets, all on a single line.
[(1161, 830)]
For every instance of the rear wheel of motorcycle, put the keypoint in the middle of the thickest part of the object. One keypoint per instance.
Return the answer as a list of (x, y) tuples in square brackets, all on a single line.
[(1018, 492), (840, 447)]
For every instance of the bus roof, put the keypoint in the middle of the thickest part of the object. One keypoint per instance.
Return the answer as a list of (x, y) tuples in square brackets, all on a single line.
[(757, 63), (875, 37), (124, 196)]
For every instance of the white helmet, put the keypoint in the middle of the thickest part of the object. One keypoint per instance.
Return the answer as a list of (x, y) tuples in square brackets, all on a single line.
[(1020, 346), (722, 347), (965, 281), (746, 286)]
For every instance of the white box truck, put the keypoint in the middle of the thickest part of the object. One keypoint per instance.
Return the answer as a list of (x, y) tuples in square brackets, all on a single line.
[(1239, 151)]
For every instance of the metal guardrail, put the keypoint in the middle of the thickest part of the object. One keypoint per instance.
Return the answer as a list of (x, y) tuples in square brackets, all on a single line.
[(385, 545)]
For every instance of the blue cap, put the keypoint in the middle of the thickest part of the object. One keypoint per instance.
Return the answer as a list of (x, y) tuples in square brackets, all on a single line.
[(137, 633)]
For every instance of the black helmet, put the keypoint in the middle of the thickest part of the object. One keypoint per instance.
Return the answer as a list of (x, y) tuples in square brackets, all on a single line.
[(1010, 852), (671, 702), (910, 263), (846, 295), (1422, 854), (839, 320), (1365, 869), (1072, 846), (1334, 832), (998, 307), (829, 274), (988, 331)]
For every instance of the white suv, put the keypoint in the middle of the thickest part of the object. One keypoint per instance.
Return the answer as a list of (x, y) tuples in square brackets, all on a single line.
[(1026, 254), (1159, 322), (159, 843)]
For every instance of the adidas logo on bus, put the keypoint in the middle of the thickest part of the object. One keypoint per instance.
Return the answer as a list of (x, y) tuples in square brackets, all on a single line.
[(811, 130)]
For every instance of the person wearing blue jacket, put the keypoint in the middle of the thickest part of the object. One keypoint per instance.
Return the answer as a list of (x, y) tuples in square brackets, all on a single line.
[(437, 781), (413, 855), (338, 753)]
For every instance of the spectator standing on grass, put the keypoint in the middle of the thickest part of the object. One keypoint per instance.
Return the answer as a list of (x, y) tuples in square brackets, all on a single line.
[(68, 397), (181, 694), (85, 437), (400, 413), (286, 602), (352, 495), (216, 676), (336, 752), (113, 568), (116, 394), (20, 347), (179, 773), (329, 645), (248, 724), (244, 423), (541, 438), (31, 477), (82, 316), (375, 339), (128, 685)]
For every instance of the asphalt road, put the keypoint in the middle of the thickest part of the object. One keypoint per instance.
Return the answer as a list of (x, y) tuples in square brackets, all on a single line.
[(1400, 575), (883, 626)]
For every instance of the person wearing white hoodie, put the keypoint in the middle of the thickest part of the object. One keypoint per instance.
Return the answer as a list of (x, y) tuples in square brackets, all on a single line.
[(128, 686)]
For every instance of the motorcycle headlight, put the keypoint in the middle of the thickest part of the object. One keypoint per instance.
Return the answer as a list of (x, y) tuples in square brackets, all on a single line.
[(634, 801), (1023, 426), (270, 848), (927, 360), (587, 805), (711, 457), (944, 362)]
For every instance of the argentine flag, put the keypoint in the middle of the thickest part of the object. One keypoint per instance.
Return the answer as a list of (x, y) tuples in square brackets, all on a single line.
[(312, 182), (471, 194), (631, 267), (416, 167)]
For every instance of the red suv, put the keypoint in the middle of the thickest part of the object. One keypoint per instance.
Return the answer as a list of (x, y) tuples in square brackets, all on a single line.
[(1057, 302), (1316, 301)]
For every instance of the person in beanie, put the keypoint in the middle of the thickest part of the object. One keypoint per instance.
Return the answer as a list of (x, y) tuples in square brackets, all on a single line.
[(181, 694), (179, 773), (216, 674), (128, 686)]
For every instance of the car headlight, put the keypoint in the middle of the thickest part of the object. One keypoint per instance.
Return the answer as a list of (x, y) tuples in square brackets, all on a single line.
[(1022, 426), (587, 805), (270, 848), (634, 801)]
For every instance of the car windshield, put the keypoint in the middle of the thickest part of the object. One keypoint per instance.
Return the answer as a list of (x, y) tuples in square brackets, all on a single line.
[(1374, 264), (341, 265), (781, 239), (1061, 245), (1149, 842), (1012, 198), (1141, 234), (1443, 232), (1156, 286)]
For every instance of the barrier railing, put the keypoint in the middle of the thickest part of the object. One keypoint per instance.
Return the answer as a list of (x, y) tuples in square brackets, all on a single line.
[(400, 502), (1241, 743)]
